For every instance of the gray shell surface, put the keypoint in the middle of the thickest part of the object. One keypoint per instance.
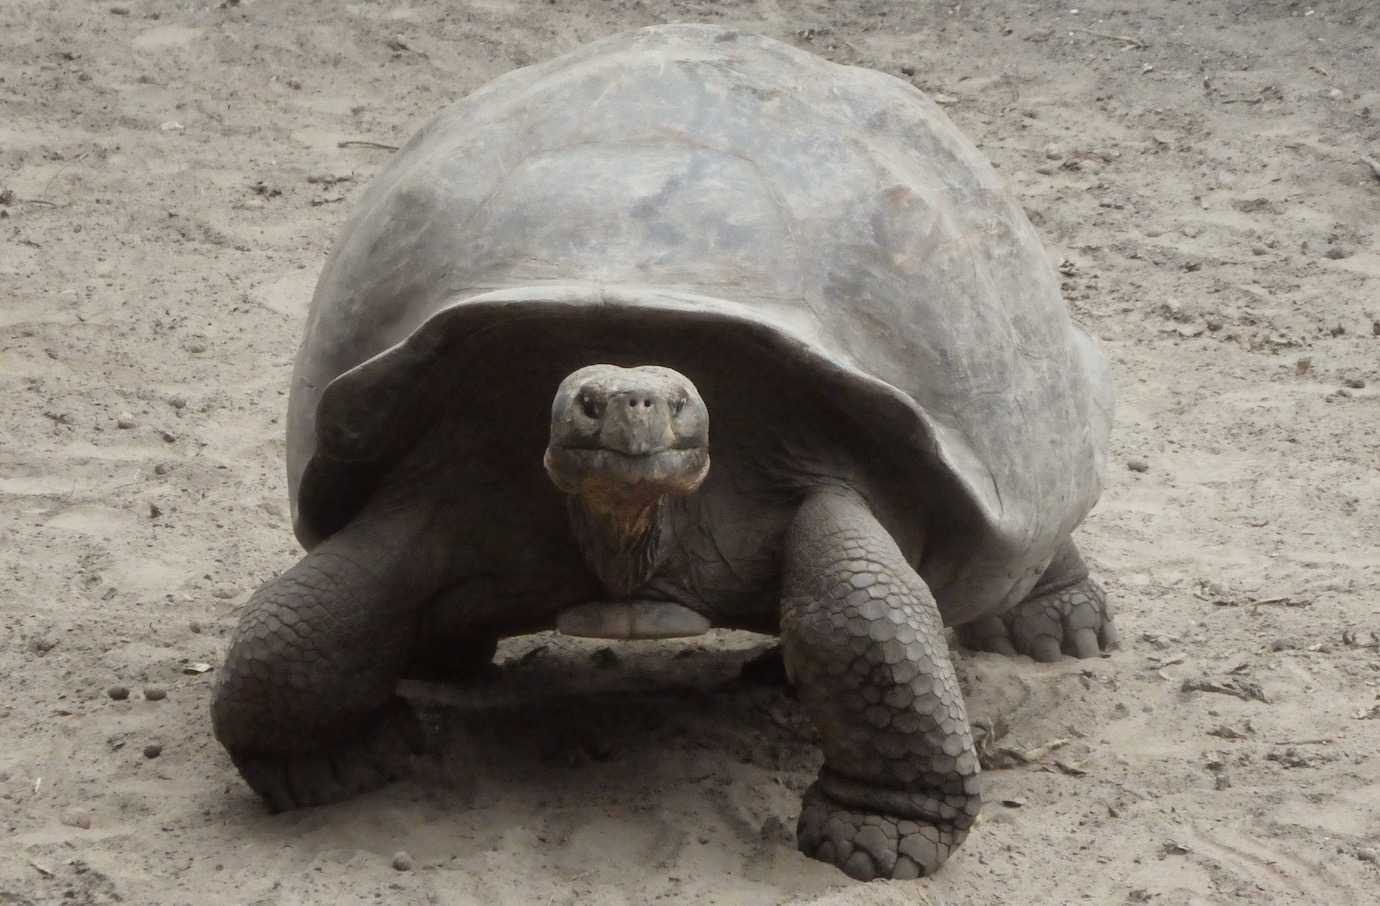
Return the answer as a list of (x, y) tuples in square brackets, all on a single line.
[(703, 173)]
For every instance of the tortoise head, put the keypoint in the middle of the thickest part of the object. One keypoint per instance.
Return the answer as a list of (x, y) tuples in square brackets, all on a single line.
[(624, 438)]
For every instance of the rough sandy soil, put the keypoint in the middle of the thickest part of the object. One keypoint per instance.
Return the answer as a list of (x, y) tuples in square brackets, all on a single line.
[(173, 176)]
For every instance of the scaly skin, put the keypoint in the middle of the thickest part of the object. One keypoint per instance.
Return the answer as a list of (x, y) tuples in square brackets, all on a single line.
[(864, 644), (305, 701), (1066, 613)]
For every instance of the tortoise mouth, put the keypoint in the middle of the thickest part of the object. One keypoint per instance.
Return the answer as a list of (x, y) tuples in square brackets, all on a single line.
[(600, 473)]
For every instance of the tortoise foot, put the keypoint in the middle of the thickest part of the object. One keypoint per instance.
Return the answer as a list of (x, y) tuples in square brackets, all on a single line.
[(1075, 620), (871, 845), (376, 756)]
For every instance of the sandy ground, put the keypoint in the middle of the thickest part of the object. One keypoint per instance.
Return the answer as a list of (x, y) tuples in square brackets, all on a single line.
[(173, 176)]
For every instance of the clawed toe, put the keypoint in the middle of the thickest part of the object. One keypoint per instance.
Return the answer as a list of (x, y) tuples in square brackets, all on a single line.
[(1075, 621)]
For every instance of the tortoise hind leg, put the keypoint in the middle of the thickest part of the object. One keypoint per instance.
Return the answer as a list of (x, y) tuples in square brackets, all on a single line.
[(305, 702), (1066, 613)]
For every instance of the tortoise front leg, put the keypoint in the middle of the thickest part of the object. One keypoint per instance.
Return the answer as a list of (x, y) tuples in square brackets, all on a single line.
[(864, 645), (305, 702)]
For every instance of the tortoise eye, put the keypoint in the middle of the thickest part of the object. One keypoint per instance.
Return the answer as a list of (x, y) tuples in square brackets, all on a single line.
[(589, 407), (677, 406)]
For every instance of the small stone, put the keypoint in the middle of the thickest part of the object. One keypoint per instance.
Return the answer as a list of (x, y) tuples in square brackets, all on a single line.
[(194, 626), (402, 861), (168, 437), (155, 510), (1337, 252), (1137, 465), (155, 693), (1354, 383), (1214, 325), (76, 818), (178, 402), (153, 750), (1375, 328), (162, 469), (1053, 152), (125, 420), (118, 693)]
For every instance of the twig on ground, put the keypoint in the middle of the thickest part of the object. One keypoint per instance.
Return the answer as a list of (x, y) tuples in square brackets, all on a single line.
[(1242, 690), (1125, 39), (364, 143)]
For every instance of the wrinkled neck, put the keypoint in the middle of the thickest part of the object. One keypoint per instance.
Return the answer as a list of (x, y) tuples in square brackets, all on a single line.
[(621, 542)]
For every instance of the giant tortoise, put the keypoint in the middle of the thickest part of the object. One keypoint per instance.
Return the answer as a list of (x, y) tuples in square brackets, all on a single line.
[(499, 422)]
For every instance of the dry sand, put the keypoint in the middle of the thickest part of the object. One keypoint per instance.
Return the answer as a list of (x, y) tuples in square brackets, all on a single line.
[(174, 176)]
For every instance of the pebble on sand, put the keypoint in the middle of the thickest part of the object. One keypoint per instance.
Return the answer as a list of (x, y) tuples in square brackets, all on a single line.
[(124, 420), (1137, 465), (153, 750), (155, 693), (76, 818), (402, 861), (119, 693)]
